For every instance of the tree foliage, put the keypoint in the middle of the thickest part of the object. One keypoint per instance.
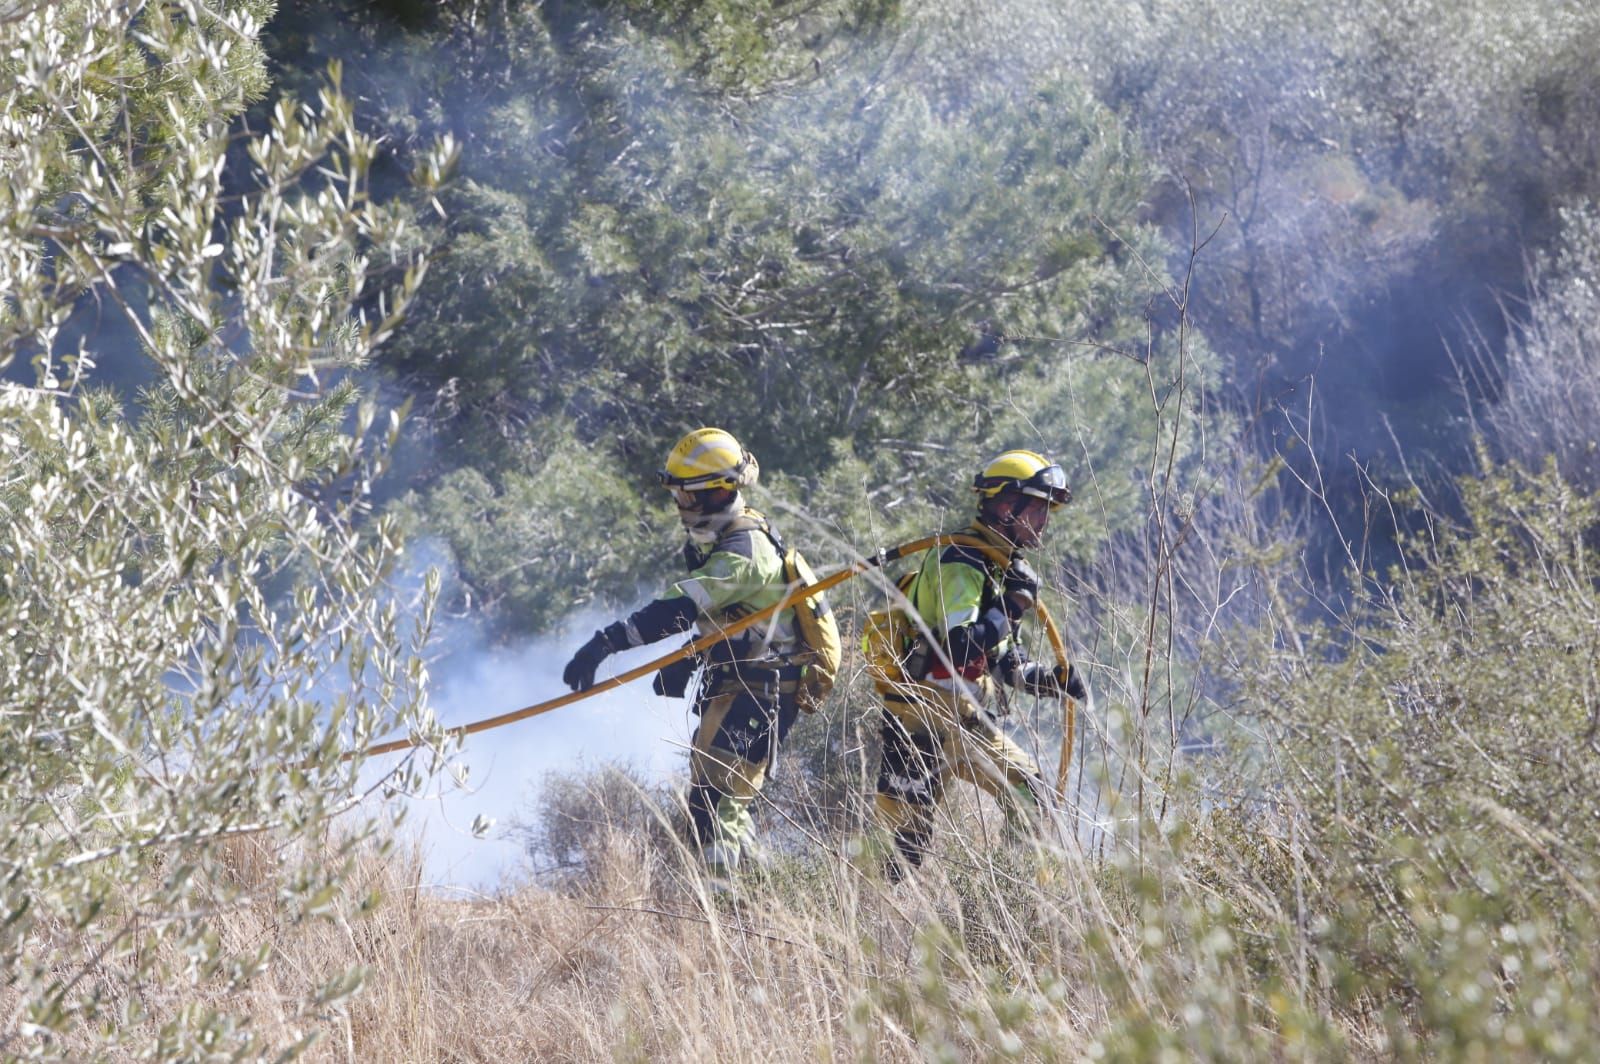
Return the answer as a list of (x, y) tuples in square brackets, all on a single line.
[(1547, 383), (862, 263), (878, 242), (192, 585), (1382, 169)]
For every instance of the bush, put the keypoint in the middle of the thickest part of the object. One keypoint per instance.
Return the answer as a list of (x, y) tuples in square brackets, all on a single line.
[(186, 574)]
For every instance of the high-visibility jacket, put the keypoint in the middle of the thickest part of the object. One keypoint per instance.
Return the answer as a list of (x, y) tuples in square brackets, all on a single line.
[(958, 595), (740, 574)]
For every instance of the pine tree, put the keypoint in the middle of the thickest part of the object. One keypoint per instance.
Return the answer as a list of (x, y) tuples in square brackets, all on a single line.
[(872, 254)]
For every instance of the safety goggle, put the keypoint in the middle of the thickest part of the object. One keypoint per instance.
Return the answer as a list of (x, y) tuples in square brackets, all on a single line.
[(682, 489), (688, 500), (1049, 483)]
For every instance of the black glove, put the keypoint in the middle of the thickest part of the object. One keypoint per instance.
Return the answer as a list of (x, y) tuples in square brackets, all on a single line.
[(1020, 588), (1052, 680), (1074, 686), (579, 673), (672, 681)]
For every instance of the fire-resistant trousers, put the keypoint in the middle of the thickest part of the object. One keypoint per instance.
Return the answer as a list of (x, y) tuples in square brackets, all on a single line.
[(742, 723), (931, 735)]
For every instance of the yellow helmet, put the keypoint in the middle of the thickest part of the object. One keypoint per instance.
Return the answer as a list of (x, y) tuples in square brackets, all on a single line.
[(1026, 472), (706, 459)]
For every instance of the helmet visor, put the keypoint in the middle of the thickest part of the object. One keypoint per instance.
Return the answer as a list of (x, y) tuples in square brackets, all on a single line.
[(1048, 483)]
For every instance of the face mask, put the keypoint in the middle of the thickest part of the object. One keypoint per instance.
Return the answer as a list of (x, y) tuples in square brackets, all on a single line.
[(702, 536)]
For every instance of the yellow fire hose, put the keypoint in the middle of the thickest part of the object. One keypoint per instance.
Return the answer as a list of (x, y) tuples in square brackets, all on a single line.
[(800, 591), (1069, 705)]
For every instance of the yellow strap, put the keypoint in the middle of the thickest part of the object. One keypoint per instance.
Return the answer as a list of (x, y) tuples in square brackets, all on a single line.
[(795, 593)]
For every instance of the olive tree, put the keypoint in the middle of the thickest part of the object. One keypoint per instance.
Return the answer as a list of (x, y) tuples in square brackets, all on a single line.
[(192, 589)]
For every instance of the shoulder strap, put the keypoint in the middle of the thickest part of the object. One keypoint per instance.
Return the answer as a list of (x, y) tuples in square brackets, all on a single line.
[(753, 519), (748, 521)]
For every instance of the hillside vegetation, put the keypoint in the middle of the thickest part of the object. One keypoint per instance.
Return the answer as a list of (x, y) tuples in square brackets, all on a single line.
[(1302, 298)]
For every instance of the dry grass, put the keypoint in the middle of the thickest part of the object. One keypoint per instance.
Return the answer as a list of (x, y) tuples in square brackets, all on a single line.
[(641, 962), (811, 958), (1219, 938), (995, 951)]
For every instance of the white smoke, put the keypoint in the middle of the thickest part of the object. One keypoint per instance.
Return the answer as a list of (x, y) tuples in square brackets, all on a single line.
[(632, 725), (473, 679)]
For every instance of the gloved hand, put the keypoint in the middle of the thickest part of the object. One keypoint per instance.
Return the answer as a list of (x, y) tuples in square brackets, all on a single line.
[(1020, 588), (672, 681), (579, 673), (1052, 680), (1075, 687)]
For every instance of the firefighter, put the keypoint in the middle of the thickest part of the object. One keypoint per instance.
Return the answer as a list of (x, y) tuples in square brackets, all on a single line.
[(746, 699), (940, 724)]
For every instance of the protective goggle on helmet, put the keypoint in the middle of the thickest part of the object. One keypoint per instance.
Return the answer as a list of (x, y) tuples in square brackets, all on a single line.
[(1025, 472)]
